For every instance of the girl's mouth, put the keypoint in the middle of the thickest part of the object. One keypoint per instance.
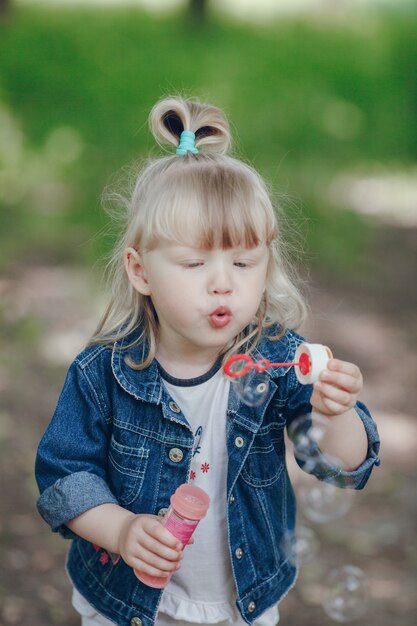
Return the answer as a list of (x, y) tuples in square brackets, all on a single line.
[(220, 317)]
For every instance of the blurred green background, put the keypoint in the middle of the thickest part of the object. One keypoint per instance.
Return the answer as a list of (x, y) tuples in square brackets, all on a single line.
[(311, 100), (323, 103)]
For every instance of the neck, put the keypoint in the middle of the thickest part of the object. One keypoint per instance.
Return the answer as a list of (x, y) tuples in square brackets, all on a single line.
[(182, 365)]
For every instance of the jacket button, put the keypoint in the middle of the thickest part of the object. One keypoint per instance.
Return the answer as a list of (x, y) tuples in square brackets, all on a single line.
[(162, 512), (176, 455), (135, 621), (232, 499), (239, 553), (174, 407), (239, 442), (251, 607)]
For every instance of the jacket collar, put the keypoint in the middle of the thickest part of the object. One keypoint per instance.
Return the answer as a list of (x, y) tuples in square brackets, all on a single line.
[(143, 384), (146, 384)]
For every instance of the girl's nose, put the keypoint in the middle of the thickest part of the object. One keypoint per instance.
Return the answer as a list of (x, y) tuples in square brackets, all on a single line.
[(221, 290), (220, 282)]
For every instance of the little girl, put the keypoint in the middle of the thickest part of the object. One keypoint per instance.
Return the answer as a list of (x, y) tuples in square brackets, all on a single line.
[(198, 275)]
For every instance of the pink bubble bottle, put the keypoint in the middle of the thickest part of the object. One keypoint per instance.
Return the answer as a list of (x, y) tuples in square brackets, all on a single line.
[(189, 505)]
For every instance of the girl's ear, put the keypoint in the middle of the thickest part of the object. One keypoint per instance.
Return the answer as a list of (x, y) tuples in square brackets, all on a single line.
[(135, 271)]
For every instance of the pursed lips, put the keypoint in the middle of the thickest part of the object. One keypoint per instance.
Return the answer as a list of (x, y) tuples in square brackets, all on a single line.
[(220, 317)]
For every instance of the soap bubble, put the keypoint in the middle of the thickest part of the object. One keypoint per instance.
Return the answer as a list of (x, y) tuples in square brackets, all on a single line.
[(324, 502), (306, 434), (252, 388), (300, 547), (345, 596), (327, 468)]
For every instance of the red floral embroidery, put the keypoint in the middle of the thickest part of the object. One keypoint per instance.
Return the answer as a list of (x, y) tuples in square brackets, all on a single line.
[(106, 556), (205, 468), (192, 475)]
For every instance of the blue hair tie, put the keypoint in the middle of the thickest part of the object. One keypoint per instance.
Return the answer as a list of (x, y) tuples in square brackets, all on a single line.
[(187, 143)]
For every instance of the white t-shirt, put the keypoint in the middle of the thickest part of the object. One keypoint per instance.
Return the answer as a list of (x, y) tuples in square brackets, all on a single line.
[(202, 590)]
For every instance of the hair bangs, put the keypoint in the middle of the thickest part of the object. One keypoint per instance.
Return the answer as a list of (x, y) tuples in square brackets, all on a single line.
[(210, 207)]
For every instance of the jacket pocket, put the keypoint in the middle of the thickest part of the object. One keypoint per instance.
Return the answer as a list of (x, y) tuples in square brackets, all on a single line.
[(265, 461), (128, 469)]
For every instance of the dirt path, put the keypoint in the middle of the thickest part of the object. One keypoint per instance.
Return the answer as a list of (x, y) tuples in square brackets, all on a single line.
[(47, 312)]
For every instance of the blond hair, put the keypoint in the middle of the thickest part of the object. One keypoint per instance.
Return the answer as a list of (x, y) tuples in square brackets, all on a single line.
[(208, 200)]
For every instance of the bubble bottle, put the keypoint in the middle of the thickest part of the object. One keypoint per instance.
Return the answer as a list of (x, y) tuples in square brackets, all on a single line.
[(189, 504)]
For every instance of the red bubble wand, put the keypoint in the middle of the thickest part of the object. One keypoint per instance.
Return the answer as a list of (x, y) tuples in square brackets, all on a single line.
[(310, 360), (304, 363)]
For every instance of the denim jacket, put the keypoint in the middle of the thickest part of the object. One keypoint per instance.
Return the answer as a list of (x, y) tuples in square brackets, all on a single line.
[(118, 437)]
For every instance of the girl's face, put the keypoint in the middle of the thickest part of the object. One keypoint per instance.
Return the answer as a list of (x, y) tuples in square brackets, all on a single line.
[(203, 298)]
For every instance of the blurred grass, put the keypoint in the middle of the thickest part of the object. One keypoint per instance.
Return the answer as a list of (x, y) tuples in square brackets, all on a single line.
[(307, 100)]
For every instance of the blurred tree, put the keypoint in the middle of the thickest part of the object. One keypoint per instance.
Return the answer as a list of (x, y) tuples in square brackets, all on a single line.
[(4, 7), (197, 10)]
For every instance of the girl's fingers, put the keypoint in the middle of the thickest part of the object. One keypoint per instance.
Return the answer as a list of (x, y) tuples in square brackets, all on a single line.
[(344, 367), (339, 396), (345, 382), (143, 555), (162, 536), (160, 549), (338, 387), (149, 530), (332, 407), (146, 568)]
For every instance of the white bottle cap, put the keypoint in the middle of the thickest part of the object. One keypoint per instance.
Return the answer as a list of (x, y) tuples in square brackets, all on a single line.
[(313, 358)]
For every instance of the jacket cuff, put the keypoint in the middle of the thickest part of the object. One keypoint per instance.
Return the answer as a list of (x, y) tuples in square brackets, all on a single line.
[(361, 475), (70, 496)]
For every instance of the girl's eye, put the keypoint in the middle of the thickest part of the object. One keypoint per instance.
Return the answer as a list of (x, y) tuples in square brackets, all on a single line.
[(191, 264), (240, 264)]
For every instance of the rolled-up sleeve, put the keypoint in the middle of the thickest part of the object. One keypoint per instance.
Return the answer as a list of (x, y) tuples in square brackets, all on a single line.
[(70, 496), (358, 478), (71, 461)]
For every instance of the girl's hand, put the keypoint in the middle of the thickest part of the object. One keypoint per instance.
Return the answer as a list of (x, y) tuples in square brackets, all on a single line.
[(338, 388), (147, 546)]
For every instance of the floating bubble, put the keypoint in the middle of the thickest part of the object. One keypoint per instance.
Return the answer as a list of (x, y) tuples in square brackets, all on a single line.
[(324, 502), (326, 468), (252, 388), (300, 547), (306, 434), (345, 596)]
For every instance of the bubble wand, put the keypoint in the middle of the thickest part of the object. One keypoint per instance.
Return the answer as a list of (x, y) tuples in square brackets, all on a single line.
[(310, 360)]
